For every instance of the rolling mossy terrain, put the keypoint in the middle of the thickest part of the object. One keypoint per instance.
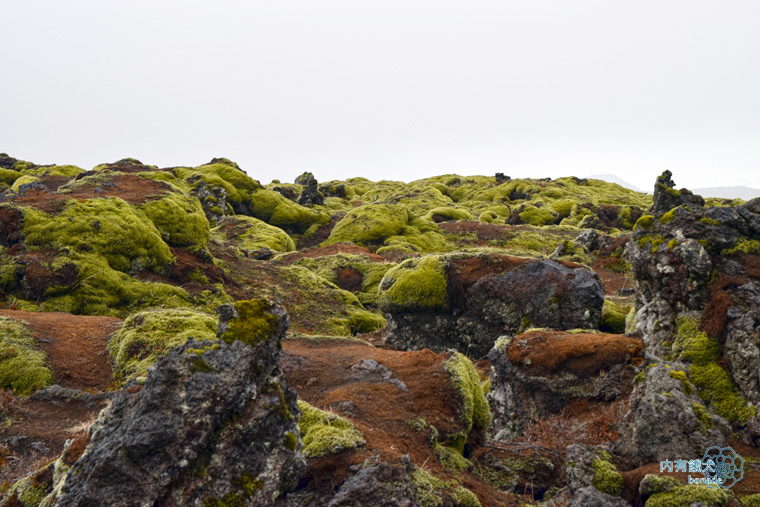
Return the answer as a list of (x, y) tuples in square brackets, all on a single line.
[(454, 340)]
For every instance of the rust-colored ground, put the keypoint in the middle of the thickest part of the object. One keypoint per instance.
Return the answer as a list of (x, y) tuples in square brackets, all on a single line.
[(75, 346), (546, 352), (320, 370), (484, 231)]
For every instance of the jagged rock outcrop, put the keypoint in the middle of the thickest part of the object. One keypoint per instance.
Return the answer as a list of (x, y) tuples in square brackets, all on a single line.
[(310, 193), (213, 423), (698, 308), (538, 373), (668, 418), (467, 301)]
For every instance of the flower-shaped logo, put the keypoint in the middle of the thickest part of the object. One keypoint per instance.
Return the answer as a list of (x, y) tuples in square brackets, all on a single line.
[(723, 463)]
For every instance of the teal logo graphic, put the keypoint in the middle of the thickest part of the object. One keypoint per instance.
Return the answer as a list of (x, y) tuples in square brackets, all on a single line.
[(721, 467)]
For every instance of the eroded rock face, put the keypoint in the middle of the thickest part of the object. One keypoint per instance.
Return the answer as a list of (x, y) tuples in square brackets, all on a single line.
[(536, 374), (487, 296), (212, 421), (667, 421)]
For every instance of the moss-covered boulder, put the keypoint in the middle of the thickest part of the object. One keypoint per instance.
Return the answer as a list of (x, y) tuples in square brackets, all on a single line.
[(325, 433), (250, 235), (23, 367)]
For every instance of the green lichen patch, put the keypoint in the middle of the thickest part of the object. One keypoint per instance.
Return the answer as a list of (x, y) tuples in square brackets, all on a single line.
[(324, 433), (415, 285), (253, 324), (148, 335), (179, 219), (474, 410), (685, 496), (29, 492), (743, 246), (606, 477), (23, 367)]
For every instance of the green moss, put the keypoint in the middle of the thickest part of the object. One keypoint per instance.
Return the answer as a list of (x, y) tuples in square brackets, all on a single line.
[(274, 209), (23, 367), (449, 213), (606, 477), (249, 234), (23, 180), (474, 410), (68, 171), (8, 176), (291, 441), (370, 224), (148, 335), (111, 228), (681, 376), (246, 486), (645, 222), (709, 221), (415, 285), (29, 493), (704, 421), (430, 491), (743, 246), (227, 175), (533, 215), (324, 433), (713, 383), (668, 217), (613, 318), (672, 244), (180, 220), (684, 496), (253, 324), (631, 321), (750, 500), (451, 459)]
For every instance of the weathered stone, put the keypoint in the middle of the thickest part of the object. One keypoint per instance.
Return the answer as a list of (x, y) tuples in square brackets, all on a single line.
[(212, 421)]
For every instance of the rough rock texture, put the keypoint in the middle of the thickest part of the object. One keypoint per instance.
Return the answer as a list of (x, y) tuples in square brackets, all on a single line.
[(666, 197), (592, 497), (310, 193), (665, 421), (382, 485), (490, 296), (212, 421), (536, 374), (213, 199)]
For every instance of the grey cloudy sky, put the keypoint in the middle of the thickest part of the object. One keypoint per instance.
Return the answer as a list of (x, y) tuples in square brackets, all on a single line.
[(389, 89)]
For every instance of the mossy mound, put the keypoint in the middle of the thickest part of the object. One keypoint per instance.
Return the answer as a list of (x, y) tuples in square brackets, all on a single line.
[(613, 318), (179, 219), (449, 213), (607, 479), (23, 180), (148, 335), (534, 215), (110, 228), (23, 367), (68, 171), (415, 285), (370, 224), (225, 174), (324, 433), (355, 273), (431, 491), (274, 209), (249, 234), (684, 496), (253, 324)]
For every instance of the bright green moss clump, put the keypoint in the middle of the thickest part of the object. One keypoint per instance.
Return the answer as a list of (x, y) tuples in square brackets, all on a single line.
[(430, 491), (146, 336), (180, 220), (369, 224), (22, 367), (684, 496), (28, 491), (606, 477), (745, 246), (324, 433), (751, 500), (714, 384), (111, 228), (27, 178), (250, 234), (449, 213), (253, 324), (68, 171), (474, 410), (415, 285), (645, 222), (533, 215), (225, 174), (613, 318)]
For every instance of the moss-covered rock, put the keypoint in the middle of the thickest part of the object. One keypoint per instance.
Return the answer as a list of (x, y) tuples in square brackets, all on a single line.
[(415, 285), (324, 433), (474, 410), (684, 496), (606, 477), (148, 335), (23, 367), (613, 318), (179, 219), (431, 491), (23, 180), (370, 224), (253, 323), (110, 228), (250, 234)]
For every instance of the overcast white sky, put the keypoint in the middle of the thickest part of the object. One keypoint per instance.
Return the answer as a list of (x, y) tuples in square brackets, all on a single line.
[(389, 89)]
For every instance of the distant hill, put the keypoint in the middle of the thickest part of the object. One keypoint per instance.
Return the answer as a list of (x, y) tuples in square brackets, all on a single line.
[(615, 179), (745, 193)]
